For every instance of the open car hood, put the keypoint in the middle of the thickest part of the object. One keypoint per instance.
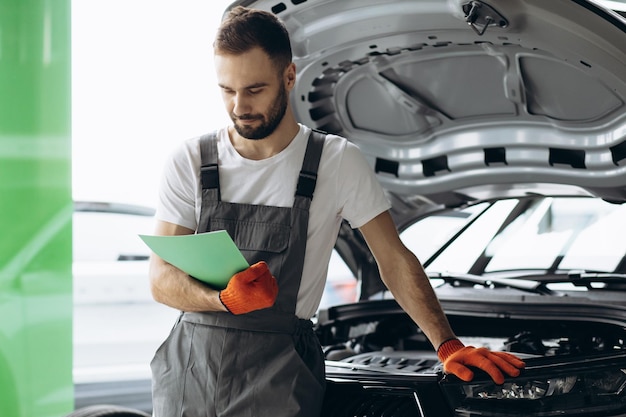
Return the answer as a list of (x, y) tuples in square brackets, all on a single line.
[(454, 101)]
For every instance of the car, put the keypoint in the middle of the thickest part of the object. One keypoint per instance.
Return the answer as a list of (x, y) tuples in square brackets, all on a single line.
[(498, 131), (533, 275), (117, 326)]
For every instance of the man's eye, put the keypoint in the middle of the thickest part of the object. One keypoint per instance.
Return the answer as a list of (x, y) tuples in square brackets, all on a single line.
[(255, 91)]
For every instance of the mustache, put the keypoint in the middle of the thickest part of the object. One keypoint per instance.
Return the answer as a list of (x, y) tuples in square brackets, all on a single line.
[(246, 117)]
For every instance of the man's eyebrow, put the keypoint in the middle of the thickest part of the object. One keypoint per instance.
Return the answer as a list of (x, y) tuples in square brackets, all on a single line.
[(255, 85)]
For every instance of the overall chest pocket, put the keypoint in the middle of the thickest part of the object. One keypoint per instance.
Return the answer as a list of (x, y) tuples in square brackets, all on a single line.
[(251, 236)]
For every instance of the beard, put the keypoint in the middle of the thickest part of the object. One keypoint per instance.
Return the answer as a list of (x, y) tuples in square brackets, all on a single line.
[(268, 124)]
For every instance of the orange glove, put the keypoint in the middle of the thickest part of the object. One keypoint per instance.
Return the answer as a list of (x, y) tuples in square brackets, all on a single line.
[(251, 289), (456, 357)]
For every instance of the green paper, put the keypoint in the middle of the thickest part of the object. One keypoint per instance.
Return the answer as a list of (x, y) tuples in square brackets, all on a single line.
[(210, 257)]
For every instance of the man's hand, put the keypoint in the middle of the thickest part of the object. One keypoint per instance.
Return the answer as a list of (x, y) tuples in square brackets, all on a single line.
[(252, 289), (456, 357)]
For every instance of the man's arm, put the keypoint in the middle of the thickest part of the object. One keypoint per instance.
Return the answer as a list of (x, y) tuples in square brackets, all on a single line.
[(175, 288), (405, 277)]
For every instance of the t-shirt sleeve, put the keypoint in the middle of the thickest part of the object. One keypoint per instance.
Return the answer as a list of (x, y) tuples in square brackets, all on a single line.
[(177, 188), (361, 196)]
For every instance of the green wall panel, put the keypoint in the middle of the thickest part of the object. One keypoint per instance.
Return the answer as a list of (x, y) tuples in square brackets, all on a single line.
[(35, 209)]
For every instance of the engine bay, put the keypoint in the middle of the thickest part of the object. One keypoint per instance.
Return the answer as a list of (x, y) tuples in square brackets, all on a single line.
[(393, 341)]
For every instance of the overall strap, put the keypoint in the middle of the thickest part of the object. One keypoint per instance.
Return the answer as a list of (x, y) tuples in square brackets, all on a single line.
[(209, 173), (308, 174)]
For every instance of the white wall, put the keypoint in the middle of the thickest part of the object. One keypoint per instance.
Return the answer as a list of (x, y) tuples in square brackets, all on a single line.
[(142, 81)]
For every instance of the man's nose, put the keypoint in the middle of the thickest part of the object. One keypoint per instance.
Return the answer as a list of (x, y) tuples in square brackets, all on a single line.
[(241, 105)]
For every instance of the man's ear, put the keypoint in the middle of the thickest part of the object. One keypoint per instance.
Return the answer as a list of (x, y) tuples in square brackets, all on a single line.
[(290, 75)]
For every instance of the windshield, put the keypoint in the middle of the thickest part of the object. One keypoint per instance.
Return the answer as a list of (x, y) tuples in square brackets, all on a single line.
[(534, 234)]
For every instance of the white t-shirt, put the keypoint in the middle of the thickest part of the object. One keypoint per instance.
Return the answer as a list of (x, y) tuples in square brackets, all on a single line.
[(346, 188)]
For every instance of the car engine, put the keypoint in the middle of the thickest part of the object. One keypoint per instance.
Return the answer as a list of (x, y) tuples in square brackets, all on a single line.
[(393, 341)]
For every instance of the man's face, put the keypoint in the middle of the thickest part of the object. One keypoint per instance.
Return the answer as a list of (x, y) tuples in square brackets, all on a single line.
[(254, 92)]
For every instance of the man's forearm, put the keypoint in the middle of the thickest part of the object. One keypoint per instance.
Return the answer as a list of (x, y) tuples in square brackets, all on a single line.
[(412, 290), (174, 288), (404, 275)]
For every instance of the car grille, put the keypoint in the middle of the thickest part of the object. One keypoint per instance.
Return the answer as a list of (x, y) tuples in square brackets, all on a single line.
[(367, 404)]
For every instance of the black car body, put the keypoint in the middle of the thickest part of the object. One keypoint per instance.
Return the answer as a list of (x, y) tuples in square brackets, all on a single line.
[(463, 108), (567, 324)]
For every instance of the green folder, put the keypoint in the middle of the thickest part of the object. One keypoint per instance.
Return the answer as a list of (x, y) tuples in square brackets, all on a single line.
[(210, 257)]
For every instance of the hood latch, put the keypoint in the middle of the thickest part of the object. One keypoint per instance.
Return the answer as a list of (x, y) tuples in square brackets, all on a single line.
[(480, 16)]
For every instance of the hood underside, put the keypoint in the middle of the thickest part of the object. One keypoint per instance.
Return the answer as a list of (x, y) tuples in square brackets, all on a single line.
[(453, 101)]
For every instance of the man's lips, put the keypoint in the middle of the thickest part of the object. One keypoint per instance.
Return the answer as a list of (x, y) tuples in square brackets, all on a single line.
[(248, 121)]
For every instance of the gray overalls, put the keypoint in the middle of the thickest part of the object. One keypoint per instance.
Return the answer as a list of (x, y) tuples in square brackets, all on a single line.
[(264, 363)]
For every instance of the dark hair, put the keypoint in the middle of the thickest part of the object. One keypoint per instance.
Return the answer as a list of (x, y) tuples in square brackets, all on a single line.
[(244, 29)]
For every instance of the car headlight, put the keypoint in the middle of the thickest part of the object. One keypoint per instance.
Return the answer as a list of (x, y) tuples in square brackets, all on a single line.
[(579, 393), (531, 389)]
